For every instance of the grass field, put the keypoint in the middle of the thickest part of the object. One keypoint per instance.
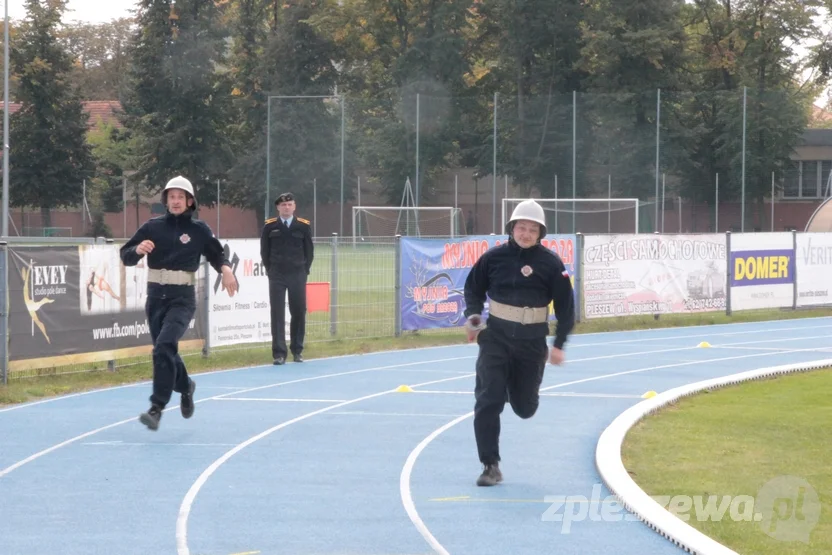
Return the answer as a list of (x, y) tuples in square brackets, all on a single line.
[(736, 440)]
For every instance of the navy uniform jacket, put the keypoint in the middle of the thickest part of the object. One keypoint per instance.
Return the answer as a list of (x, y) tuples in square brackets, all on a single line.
[(286, 251), (499, 274), (180, 242)]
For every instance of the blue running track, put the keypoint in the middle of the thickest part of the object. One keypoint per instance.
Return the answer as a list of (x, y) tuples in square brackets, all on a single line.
[(327, 457)]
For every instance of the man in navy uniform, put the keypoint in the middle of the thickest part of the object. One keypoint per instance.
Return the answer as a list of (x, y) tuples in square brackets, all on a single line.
[(173, 245), (287, 251), (520, 278)]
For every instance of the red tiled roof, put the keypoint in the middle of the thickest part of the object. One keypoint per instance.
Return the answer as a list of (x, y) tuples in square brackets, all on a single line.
[(97, 111), (819, 117)]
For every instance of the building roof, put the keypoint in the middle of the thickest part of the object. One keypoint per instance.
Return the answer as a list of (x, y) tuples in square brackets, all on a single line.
[(820, 116), (97, 111), (816, 137)]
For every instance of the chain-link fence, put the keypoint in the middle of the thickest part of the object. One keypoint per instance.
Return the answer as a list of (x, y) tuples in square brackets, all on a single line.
[(717, 149)]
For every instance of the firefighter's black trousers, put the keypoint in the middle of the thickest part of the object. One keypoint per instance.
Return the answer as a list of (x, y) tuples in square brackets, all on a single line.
[(506, 367), (170, 309)]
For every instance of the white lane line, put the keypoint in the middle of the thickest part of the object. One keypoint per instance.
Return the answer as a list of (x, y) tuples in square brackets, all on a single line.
[(39, 454), (280, 400), (188, 501), (369, 413), (703, 336), (407, 470), (404, 485), (119, 443), (592, 395), (575, 343)]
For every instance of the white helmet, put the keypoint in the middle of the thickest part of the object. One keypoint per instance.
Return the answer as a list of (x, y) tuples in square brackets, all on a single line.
[(528, 210), (182, 183)]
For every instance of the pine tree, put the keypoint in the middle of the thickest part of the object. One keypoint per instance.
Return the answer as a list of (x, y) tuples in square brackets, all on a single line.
[(178, 107), (49, 156)]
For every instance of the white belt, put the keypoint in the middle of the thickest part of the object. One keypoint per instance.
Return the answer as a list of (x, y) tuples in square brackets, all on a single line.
[(171, 277), (519, 314)]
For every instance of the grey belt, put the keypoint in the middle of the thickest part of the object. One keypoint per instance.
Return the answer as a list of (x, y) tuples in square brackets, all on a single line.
[(519, 314), (171, 277)]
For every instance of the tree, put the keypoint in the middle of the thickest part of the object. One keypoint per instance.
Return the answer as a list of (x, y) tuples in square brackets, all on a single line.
[(303, 134), (631, 50), (743, 47), (404, 59), (531, 53), (49, 156), (178, 105), (248, 36), (100, 56)]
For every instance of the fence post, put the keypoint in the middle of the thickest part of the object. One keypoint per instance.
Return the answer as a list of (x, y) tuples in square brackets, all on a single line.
[(578, 258), (333, 301), (728, 273), (4, 312), (111, 364), (397, 287), (206, 316), (794, 277)]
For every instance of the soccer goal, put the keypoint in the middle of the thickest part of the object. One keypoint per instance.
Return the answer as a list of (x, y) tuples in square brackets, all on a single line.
[(584, 215), (422, 221)]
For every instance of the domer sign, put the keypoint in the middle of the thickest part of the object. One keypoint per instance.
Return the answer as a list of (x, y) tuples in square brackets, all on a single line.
[(762, 270), (762, 267)]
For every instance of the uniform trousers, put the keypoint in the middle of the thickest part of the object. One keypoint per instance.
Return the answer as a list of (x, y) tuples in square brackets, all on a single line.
[(508, 369), (170, 309), (295, 284)]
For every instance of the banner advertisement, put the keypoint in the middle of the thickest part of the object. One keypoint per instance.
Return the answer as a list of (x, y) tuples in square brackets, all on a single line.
[(762, 270), (79, 300), (433, 274), (628, 275), (814, 268), (246, 317)]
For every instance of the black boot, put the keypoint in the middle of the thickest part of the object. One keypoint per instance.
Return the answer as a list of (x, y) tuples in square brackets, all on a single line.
[(187, 404), (151, 417), (491, 475)]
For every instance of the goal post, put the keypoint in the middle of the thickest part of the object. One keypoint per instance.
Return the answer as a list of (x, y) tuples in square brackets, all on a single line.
[(583, 215), (421, 221)]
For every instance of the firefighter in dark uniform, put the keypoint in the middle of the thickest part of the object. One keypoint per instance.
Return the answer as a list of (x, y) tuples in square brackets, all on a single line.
[(521, 278), (287, 251), (173, 244)]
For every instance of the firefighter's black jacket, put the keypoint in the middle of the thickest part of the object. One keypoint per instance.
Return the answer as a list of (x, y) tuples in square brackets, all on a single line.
[(521, 277), (179, 243)]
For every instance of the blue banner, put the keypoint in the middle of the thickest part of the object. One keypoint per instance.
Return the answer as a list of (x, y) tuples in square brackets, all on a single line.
[(433, 274)]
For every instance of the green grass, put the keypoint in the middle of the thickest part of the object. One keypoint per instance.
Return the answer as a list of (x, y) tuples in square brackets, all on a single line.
[(732, 441)]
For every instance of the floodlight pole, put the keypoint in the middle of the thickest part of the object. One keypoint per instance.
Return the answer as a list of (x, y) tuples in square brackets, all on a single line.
[(6, 109)]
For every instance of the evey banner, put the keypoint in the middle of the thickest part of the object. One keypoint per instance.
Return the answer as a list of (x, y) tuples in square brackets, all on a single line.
[(77, 301), (433, 274), (628, 275), (246, 317), (762, 270)]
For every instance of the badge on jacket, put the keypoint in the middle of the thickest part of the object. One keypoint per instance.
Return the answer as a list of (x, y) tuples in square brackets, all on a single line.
[(185, 238), (526, 270)]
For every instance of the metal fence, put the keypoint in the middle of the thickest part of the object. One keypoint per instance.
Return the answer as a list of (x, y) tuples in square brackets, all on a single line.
[(363, 298), (52, 327), (708, 147)]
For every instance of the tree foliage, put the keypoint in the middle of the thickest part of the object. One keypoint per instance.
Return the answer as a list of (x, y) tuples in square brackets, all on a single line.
[(49, 158)]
